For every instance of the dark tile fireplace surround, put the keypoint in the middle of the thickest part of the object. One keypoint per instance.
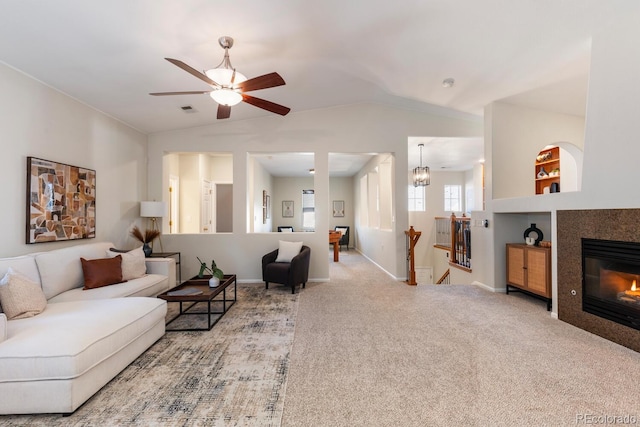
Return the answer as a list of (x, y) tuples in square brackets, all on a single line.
[(621, 225)]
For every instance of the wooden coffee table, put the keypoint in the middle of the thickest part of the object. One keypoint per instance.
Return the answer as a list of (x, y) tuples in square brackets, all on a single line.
[(208, 296)]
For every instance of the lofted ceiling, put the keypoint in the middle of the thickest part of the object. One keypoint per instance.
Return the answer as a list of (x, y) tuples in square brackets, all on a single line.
[(110, 54)]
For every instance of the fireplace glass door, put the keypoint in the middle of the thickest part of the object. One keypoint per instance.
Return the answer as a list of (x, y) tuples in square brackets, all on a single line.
[(611, 280)]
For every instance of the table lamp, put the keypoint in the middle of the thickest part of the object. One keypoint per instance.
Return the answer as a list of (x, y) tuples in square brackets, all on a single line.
[(154, 210)]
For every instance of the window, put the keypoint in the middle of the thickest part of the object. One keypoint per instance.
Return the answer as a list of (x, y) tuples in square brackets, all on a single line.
[(308, 210), (416, 199), (453, 198)]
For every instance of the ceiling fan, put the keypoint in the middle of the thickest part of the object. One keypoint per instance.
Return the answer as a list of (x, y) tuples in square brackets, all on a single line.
[(229, 86)]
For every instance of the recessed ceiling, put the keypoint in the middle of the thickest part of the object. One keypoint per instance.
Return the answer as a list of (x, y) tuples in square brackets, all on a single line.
[(110, 54)]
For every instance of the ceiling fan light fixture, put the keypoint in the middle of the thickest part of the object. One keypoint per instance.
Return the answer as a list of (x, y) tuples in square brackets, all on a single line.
[(223, 76), (421, 174), (226, 97)]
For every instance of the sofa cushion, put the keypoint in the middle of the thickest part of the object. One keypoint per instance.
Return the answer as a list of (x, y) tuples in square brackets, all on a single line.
[(148, 285), (288, 250), (26, 265), (20, 296), (101, 272), (133, 263), (61, 270), (68, 339)]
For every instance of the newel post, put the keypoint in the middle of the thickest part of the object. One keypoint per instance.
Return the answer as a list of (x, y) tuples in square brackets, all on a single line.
[(454, 238), (412, 239)]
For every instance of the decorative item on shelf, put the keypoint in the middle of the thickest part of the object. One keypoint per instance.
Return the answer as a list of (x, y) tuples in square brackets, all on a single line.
[(216, 273), (533, 229), (546, 190), (145, 239), (555, 172), (542, 173), (543, 157), (555, 187)]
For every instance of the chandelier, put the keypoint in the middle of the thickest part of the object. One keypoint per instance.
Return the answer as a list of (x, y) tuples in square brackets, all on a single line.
[(421, 175)]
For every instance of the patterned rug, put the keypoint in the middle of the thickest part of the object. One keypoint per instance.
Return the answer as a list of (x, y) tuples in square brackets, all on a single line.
[(233, 375)]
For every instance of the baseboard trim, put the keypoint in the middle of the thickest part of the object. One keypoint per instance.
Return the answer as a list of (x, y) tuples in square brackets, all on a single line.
[(381, 268), (489, 288)]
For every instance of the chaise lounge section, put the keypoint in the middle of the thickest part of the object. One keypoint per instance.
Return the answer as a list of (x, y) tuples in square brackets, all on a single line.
[(56, 360)]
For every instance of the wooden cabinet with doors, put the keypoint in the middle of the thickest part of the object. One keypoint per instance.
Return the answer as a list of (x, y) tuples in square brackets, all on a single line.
[(529, 270)]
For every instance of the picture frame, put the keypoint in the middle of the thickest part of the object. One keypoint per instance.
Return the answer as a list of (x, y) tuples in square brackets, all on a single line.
[(338, 208), (60, 202), (268, 207), (287, 209), (264, 206)]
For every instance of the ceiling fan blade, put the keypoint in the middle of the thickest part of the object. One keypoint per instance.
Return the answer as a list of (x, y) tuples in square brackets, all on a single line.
[(261, 82), (224, 111), (266, 105), (193, 71), (191, 92)]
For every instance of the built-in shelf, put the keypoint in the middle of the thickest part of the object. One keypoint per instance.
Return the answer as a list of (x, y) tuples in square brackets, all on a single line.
[(550, 165)]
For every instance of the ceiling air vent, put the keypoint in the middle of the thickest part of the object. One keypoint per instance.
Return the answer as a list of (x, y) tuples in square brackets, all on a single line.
[(188, 109)]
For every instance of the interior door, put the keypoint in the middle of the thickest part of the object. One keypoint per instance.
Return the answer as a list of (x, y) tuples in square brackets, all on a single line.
[(224, 208), (174, 201), (205, 204)]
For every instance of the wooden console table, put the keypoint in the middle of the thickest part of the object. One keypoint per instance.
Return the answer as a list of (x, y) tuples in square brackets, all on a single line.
[(334, 238)]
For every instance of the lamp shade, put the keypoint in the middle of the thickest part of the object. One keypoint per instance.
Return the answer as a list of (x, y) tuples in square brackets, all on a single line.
[(153, 209)]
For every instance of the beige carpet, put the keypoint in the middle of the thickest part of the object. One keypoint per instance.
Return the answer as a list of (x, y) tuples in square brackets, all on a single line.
[(369, 351)]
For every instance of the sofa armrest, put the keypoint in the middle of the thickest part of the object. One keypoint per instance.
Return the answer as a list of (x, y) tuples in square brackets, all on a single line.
[(3, 327), (163, 266)]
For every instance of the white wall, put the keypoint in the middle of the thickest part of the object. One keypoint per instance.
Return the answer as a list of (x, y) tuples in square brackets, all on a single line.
[(519, 134), (38, 121), (190, 189), (354, 128), (262, 181)]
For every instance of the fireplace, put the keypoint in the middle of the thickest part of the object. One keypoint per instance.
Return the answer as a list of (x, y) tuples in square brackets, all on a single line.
[(611, 280)]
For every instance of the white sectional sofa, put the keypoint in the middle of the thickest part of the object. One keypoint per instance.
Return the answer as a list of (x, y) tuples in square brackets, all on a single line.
[(54, 361)]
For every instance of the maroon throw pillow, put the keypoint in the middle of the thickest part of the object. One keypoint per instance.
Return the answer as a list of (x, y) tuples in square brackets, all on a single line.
[(101, 272)]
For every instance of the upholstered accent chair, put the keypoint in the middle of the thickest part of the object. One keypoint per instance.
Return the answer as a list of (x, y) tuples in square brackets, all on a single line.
[(344, 240), (291, 273)]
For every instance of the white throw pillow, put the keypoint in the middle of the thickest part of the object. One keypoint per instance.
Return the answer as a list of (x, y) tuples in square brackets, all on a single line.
[(133, 263), (288, 250), (342, 230), (20, 296)]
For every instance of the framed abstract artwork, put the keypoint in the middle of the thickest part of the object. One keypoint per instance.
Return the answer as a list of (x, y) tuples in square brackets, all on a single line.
[(264, 206), (287, 208), (61, 201), (268, 207), (338, 208)]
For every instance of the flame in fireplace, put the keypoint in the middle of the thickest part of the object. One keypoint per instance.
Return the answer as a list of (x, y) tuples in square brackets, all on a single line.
[(633, 286)]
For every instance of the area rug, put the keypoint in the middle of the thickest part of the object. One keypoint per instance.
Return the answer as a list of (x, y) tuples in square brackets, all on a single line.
[(233, 375)]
